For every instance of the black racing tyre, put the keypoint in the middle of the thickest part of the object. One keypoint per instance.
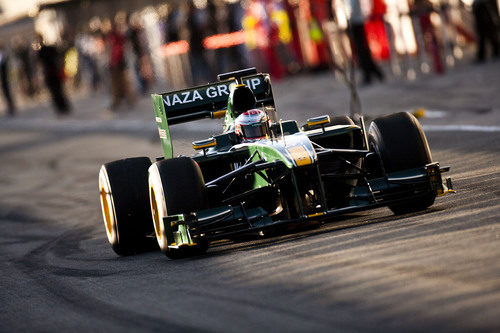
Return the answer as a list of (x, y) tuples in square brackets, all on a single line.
[(176, 186), (123, 187), (400, 142)]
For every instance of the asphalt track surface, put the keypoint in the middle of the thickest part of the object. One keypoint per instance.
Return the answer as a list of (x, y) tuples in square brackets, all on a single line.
[(436, 270)]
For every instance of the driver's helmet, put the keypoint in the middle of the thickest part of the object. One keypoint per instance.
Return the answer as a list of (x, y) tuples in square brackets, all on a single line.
[(252, 124)]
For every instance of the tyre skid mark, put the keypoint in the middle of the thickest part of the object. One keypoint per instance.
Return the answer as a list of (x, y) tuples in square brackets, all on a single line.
[(35, 265)]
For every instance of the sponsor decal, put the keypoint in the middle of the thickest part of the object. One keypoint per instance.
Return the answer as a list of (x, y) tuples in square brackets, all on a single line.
[(300, 155), (163, 133), (208, 93)]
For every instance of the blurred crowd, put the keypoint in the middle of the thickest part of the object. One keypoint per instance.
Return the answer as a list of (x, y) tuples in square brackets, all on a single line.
[(177, 44)]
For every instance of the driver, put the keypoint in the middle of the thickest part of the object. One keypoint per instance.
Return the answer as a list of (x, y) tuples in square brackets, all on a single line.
[(252, 125)]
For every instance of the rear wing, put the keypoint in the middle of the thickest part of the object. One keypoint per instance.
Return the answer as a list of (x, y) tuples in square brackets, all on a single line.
[(206, 101)]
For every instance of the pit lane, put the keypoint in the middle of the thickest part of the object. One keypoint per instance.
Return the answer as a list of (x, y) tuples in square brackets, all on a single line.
[(434, 270)]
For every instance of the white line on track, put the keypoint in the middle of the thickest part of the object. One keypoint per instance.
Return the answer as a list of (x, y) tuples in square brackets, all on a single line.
[(435, 114), (461, 128)]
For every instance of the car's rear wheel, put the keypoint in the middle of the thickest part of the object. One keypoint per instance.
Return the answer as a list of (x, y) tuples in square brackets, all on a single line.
[(123, 188), (400, 142), (176, 186)]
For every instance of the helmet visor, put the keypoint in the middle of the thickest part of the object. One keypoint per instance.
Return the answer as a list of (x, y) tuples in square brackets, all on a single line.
[(254, 130)]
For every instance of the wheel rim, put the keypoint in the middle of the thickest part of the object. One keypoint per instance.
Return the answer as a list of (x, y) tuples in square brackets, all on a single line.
[(106, 205), (105, 210), (156, 216), (157, 207)]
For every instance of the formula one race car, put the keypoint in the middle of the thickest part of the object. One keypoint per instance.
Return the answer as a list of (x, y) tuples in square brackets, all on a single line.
[(261, 173)]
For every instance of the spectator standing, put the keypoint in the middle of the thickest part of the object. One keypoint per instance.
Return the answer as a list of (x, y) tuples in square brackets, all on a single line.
[(120, 84), (172, 25), (213, 27), (361, 48), (24, 54), (423, 9), (53, 71), (487, 27), (143, 68), (237, 55), (4, 78), (199, 65), (85, 44)]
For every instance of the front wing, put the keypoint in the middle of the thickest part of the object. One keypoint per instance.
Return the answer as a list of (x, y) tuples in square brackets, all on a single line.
[(232, 220)]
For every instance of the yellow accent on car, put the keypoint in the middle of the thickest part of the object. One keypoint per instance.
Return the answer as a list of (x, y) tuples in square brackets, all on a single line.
[(441, 193), (218, 114), (318, 120), (199, 145), (419, 113), (316, 214), (300, 155)]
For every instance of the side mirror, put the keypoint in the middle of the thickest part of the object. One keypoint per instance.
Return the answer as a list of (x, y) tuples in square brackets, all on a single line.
[(204, 144), (318, 121), (218, 114)]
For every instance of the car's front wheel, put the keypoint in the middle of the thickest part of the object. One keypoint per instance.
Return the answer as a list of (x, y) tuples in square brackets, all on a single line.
[(176, 186), (401, 144)]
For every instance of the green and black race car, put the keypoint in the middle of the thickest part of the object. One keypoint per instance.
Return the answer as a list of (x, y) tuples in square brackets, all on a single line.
[(261, 173)]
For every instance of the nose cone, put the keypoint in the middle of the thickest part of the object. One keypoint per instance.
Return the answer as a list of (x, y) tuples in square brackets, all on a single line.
[(298, 149), (300, 156)]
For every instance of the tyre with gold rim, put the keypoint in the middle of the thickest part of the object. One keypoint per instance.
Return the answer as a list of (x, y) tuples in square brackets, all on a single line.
[(176, 186), (123, 191)]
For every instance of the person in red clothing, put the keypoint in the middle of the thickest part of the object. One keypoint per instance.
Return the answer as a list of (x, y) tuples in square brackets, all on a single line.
[(120, 83), (376, 32), (360, 44), (423, 9)]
